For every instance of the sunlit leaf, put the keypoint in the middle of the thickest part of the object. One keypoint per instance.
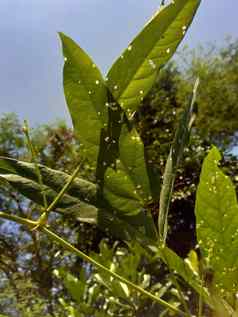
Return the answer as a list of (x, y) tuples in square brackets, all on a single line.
[(133, 74), (86, 97), (217, 223)]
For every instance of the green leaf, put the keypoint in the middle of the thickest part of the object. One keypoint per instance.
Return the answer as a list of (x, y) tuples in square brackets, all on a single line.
[(182, 268), (139, 227), (86, 96), (80, 201), (127, 187), (132, 161), (120, 192), (180, 142), (217, 224), (133, 74), (55, 179), (67, 206)]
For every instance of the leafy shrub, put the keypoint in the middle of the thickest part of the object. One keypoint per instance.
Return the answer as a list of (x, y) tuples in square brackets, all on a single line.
[(126, 181)]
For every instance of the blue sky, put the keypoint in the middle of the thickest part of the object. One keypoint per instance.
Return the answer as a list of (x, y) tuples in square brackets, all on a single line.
[(31, 61)]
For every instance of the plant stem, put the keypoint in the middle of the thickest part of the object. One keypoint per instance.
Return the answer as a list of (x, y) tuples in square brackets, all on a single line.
[(175, 154), (87, 258), (42, 221), (44, 216), (63, 190), (34, 160), (54, 237), (20, 220)]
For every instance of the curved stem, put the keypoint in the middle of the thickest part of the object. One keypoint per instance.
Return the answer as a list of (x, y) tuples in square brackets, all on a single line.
[(54, 237), (70, 247)]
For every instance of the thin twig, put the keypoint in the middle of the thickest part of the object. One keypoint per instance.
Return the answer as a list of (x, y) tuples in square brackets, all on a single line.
[(54, 237)]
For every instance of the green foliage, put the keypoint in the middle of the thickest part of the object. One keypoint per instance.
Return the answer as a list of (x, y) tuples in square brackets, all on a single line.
[(105, 118), (217, 223), (86, 96), (100, 292), (217, 70), (180, 142), (127, 188), (134, 73)]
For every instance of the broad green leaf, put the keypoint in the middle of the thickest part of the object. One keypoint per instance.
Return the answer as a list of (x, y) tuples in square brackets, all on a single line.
[(139, 227), (181, 267), (217, 224), (80, 188), (109, 143), (180, 142), (120, 191), (133, 74), (127, 187), (154, 176), (22, 177), (67, 206), (132, 161), (86, 97)]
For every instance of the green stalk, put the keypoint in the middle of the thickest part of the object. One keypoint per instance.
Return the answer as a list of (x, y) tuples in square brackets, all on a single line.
[(23, 221), (44, 217), (63, 190), (181, 140), (54, 237), (34, 160)]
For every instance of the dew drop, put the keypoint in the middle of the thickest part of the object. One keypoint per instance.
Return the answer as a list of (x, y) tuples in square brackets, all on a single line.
[(93, 66), (129, 48), (107, 139), (115, 87), (65, 59), (97, 82), (89, 92), (79, 82), (99, 113), (168, 50), (141, 92)]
